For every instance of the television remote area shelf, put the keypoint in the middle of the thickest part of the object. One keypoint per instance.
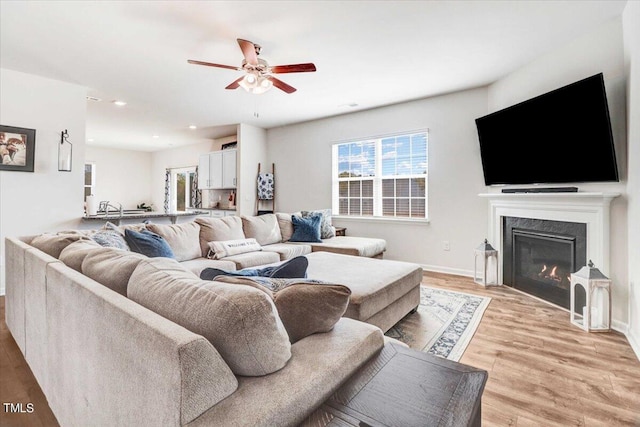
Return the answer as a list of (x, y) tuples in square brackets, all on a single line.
[(541, 190)]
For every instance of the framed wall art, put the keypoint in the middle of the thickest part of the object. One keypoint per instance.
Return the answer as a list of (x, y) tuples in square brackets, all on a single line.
[(17, 148)]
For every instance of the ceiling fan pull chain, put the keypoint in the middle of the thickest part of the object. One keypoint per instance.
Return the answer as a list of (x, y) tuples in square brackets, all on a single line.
[(256, 108)]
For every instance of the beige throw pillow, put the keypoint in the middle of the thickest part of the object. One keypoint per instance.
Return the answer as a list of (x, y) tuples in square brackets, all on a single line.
[(73, 255), (242, 323), (263, 228), (112, 267), (305, 307), (53, 244), (286, 225), (184, 239), (218, 229)]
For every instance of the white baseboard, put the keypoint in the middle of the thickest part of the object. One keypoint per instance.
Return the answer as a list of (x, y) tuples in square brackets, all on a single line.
[(619, 326), (634, 342), (447, 270)]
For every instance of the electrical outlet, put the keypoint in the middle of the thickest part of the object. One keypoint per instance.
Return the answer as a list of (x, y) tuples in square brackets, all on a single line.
[(445, 245)]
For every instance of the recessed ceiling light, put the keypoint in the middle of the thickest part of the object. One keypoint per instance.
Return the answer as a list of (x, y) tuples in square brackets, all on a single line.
[(156, 136), (120, 103), (90, 140), (193, 127)]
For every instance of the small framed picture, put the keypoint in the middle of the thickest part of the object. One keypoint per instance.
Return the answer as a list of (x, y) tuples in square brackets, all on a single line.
[(17, 148)]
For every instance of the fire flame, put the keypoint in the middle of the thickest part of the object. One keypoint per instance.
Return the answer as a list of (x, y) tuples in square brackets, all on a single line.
[(550, 275)]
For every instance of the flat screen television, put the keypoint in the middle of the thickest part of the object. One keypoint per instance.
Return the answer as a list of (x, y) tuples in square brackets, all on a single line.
[(563, 136)]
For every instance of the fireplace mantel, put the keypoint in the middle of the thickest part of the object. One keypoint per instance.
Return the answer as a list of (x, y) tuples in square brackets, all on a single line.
[(591, 208)]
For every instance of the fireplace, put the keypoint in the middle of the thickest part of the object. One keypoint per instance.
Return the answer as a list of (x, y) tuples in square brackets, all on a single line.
[(540, 255)]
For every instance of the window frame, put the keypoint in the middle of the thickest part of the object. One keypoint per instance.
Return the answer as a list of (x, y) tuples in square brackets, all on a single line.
[(174, 188), (91, 186), (378, 179)]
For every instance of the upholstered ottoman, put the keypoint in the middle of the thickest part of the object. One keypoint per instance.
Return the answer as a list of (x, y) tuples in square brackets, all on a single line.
[(382, 291)]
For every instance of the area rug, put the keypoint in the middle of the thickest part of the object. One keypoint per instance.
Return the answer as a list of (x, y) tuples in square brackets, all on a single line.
[(444, 323)]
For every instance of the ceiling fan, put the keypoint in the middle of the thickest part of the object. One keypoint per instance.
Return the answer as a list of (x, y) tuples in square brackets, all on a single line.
[(258, 76)]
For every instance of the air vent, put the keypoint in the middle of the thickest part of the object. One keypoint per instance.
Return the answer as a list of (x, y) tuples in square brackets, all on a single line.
[(93, 98)]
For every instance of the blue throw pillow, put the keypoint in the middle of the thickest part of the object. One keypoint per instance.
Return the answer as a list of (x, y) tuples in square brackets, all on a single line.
[(148, 243), (306, 229)]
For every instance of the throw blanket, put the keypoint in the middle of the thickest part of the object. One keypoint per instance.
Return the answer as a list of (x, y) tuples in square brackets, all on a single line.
[(265, 186)]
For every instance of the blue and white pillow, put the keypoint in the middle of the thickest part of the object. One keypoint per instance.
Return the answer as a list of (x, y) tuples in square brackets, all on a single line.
[(110, 239)]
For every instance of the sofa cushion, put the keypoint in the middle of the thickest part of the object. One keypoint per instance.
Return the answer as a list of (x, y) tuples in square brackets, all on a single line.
[(287, 251), (319, 365), (263, 228), (148, 243), (73, 255), (350, 245), (111, 267), (375, 284), (184, 239), (305, 306), (241, 322), (214, 229), (306, 229), (52, 244), (327, 230), (253, 259), (285, 224), (221, 249)]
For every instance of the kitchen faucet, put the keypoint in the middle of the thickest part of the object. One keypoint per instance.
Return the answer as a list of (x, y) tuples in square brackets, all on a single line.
[(105, 205)]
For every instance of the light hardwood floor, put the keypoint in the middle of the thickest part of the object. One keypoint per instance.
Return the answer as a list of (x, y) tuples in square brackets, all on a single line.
[(542, 370)]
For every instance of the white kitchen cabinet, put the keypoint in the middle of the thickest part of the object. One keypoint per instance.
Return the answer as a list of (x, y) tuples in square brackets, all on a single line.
[(203, 172), (217, 170), (229, 168)]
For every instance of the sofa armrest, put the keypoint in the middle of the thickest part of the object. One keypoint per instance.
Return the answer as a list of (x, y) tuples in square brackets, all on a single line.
[(113, 362)]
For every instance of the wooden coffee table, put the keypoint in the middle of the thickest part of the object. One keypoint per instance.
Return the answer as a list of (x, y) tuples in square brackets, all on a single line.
[(404, 387)]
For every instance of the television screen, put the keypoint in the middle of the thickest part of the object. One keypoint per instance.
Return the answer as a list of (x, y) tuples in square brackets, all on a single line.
[(563, 136)]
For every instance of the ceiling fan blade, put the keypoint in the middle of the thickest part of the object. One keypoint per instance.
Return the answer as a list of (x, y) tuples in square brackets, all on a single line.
[(235, 84), (210, 64), (249, 51), (282, 85), (293, 68)]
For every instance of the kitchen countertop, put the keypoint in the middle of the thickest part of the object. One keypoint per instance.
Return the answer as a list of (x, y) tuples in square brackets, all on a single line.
[(115, 218), (218, 209)]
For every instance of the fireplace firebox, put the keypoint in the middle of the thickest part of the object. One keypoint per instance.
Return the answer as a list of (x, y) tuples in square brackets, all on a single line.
[(540, 255)]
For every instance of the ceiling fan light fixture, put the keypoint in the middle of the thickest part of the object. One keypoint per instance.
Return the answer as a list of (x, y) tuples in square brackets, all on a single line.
[(255, 84)]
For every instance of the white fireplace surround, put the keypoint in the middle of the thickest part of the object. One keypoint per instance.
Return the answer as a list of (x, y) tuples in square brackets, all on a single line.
[(589, 208)]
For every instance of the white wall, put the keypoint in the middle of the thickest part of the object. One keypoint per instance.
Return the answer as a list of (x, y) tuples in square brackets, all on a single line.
[(302, 156), (252, 149), (631, 26), (45, 200), (600, 50), (122, 176)]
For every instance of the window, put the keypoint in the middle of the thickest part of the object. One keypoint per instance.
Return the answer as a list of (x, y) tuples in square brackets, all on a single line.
[(381, 177), (182, 183), (89, 179)]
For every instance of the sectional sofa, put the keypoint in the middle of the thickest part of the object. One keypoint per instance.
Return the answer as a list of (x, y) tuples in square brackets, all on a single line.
[(116, 338)]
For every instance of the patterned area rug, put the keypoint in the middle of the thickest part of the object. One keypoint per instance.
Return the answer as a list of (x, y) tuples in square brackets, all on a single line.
[(444, 323)]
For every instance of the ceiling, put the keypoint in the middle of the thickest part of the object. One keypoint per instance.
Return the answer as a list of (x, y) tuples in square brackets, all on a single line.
[(368, 54)]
